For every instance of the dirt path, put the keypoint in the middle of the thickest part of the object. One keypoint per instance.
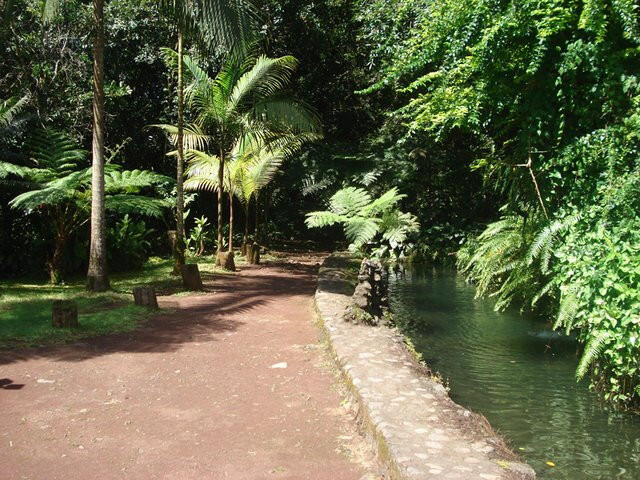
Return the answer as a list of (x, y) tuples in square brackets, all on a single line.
[(233, 385)]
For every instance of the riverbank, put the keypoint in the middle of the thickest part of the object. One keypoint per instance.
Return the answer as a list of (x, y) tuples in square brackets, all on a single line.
[(417, 430)]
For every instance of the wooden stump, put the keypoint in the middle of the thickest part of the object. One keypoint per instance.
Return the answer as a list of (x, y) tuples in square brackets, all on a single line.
[(191, 277), (145, 297), (226, 261), (64, 314), (253, 254)]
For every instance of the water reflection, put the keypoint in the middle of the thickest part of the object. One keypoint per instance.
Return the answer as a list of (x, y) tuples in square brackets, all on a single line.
[(520, 376)]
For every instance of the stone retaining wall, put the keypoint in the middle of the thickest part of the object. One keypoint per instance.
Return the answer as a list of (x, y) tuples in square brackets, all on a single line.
[(417, 430)]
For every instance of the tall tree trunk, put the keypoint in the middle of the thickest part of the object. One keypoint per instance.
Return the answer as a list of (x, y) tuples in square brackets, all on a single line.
[(220, 200), (97, 279), (230, 222), (179, 250)]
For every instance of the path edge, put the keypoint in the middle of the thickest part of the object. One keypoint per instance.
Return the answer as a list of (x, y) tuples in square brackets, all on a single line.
[(332, 288)]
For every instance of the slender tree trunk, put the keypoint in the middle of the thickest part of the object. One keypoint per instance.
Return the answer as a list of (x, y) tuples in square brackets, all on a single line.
[(265, 216), (230, 222), (245, 238), (220, 200), (55, 265), (97, 279), (179, 250), (256, 229)]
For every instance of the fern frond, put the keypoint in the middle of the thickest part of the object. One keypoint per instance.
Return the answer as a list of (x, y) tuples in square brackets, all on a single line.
[(323, 219), (10, 108), (567, 312), (132, 180), (138, 204), (592, 352), (349, 201), (383, 203), (361, 230)]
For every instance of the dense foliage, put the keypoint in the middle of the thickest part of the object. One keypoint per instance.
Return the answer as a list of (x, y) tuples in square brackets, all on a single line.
[(540, 99)]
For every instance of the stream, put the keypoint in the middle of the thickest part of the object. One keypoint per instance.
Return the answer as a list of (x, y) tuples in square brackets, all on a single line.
[(518, 374)]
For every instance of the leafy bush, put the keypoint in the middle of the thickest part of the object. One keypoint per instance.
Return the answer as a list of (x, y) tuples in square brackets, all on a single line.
[(198, 238), (128, 245), (598, 268)]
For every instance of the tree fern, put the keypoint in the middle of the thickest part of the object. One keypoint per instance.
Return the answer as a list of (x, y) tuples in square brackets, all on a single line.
[(365, 220)]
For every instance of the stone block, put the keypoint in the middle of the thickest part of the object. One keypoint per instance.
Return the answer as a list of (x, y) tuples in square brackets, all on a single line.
[(145, 296), (191, 277), (64, 314), (226, 261)]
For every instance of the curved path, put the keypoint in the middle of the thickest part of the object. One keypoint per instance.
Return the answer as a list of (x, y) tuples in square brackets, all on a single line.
[(233, 384)]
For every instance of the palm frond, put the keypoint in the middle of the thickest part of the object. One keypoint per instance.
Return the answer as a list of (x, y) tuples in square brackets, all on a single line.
[(287, 115), (267, 77), (194, 137)]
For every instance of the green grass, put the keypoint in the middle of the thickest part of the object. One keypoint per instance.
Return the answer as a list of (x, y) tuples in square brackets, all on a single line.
[(25, 308)]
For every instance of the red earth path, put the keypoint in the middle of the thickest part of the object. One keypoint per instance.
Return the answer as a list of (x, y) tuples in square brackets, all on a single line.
[(233, 384)]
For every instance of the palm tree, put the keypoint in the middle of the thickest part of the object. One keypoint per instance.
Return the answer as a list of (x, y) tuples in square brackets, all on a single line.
[(61, 187), (97, 277), (246, 100), (250, 167), (226, 22)]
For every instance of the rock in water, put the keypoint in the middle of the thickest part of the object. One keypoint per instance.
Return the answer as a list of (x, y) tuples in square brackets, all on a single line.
[(191, 277), (145, 297), (64, 314), (226, 261)]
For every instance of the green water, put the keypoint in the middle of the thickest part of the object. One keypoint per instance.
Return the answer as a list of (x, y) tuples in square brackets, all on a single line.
[(520, 376)]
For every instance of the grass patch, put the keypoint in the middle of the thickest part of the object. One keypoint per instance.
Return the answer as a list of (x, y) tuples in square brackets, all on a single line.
[(25, 308)]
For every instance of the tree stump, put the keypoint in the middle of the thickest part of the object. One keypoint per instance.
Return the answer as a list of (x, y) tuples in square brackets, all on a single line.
[(145, 297), (253, 254), (191, 277), (64, 314), (226, 261)]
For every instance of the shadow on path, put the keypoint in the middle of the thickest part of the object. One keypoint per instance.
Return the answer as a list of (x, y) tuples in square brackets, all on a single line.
[(200, 317)]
